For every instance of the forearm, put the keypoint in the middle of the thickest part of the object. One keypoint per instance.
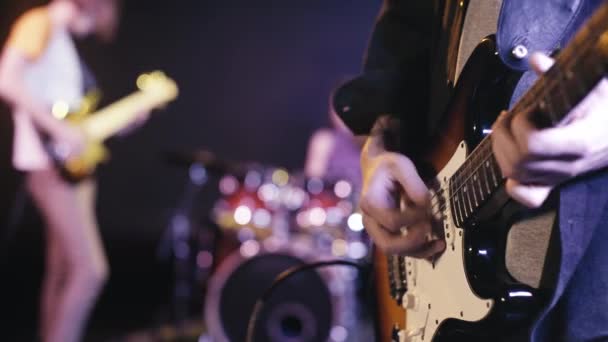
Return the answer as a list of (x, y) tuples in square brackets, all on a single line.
[(383, 137), (15, 96)]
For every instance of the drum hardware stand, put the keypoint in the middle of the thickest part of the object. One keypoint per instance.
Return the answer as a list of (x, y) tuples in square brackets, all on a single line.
[(177, 243)]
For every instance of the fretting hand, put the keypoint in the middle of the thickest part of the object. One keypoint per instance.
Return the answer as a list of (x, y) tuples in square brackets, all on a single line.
[(535, 161)]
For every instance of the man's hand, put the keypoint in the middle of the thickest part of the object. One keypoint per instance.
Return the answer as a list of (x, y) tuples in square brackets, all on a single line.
[(388, 180), (534, 161)]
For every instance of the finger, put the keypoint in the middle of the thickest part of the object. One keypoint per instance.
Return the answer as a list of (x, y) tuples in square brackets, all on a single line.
[(532, 196), (521, 129), (504, 148), (393, 220), (430, 249), (596, 99), (404, 244), (550, 171), (553, 172), (404, 171), (541, 178), (376, 232), (574, 136), (568, 141), (540, 62)]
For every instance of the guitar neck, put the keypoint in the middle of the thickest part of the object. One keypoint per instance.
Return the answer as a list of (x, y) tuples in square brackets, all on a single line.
[(108, 121), (577, 70)]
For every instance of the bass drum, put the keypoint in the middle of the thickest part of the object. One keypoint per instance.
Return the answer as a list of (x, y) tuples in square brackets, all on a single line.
[(302, 309)]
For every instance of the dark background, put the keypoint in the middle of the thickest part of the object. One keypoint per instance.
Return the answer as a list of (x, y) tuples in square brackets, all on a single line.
[(254, 79)]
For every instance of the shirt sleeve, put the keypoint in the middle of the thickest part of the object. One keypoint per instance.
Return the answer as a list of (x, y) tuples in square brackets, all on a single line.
[(30, 33), (396, 68)]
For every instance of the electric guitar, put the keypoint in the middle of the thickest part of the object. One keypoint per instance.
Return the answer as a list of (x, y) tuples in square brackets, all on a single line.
[(467, 293), (155, 90)]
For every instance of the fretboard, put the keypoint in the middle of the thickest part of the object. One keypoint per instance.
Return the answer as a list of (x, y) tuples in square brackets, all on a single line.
[(577, 70)]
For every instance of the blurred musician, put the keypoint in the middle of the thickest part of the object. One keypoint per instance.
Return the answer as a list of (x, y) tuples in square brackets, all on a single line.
[(333, 153), (38, 66)]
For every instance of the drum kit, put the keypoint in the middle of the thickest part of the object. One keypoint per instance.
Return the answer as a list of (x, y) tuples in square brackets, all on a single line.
[(267, 221)]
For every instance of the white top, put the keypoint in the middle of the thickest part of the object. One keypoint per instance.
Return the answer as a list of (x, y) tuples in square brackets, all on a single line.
[(55, 76)]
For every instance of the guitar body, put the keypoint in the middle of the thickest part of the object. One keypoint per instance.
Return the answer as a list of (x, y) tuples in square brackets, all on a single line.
[(390, 316), (467, 293), (82, 166), (76, 168)]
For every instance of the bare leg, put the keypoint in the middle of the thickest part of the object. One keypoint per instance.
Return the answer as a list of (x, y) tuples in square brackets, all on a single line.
[(53, 282), (69, 214)]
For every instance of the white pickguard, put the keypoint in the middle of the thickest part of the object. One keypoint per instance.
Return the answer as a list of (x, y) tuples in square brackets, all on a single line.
[(443, 292)]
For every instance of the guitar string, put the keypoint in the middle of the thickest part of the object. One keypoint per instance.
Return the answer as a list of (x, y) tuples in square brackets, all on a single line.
[(487, 158), (442, 204), (457, 190), (453, 192), (441, 190)]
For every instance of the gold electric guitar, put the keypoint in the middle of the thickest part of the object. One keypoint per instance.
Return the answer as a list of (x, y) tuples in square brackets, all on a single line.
[(155, 90)]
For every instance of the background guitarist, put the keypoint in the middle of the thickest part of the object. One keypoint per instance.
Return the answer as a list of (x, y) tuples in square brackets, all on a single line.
[(39, 66), (414, 57)]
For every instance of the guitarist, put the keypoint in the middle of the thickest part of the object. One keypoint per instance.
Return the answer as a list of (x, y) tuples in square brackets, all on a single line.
[(38, 66), (415, 54)]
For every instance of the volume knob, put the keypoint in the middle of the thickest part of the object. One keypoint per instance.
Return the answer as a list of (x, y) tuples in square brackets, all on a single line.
[(410, 302)]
